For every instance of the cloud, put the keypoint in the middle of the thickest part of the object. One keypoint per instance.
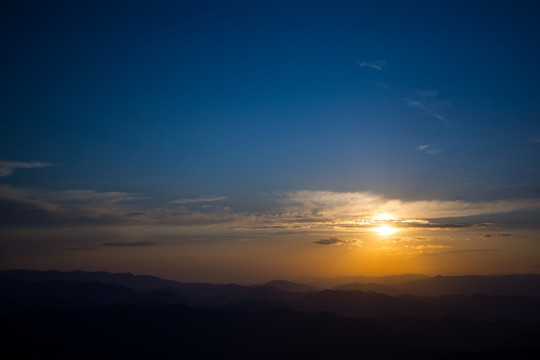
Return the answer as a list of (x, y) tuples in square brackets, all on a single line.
[(364, 209), (313, 211), (425, 108), (109, 197), (428, 149), (449, 252), (199, 200), (330, 241), (7, 167), (427, 93), (487, 236), (428, 102), (31, 207), (340, 242), (130, 244), (377, 64)]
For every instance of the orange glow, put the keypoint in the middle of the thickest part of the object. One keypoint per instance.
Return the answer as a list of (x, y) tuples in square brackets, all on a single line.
[(385, 230)]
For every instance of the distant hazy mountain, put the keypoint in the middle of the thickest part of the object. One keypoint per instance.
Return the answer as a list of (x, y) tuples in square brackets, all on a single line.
[(195, 294), (378, 288), (284, 285), (374, 305), (135, 282), (20, 295), (361, 304), (486, 297), (520, 284), (391, 280)]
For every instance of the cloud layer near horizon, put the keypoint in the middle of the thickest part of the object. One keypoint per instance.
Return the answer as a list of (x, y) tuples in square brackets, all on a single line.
[(291, 210), (368, 205)]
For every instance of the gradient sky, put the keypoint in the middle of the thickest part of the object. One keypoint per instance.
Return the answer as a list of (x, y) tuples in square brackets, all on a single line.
[(240, 141)]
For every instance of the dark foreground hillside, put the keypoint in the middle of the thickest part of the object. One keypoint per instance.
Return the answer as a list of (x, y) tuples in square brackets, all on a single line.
[(176, 331)]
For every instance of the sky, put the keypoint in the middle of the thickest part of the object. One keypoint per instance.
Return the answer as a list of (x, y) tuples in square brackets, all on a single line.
[(244, 141)]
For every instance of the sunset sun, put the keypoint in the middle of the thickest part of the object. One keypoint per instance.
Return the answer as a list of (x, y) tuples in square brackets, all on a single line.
[(385, 230)]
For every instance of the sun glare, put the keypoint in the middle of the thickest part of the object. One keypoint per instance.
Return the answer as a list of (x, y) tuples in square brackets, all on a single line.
[(383, 217), (385, 230)]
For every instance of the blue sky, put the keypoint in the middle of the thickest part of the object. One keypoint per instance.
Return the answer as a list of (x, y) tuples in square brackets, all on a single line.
[(238, 103)]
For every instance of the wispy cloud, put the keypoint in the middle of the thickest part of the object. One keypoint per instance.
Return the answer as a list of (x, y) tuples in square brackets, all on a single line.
[(367, 205), (428, 101), (130, 244), (339, 242), (449, 252), (424, 107), (7, 167), (34, 207), (108, 197), (290, 211), (428, 149), (199, 200), (377, 64), (487, 236)]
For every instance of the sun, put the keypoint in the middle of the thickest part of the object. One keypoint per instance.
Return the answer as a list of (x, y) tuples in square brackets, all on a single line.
[(385, 230)]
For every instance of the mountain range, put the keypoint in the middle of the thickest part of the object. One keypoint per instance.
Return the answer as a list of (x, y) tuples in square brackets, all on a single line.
[(445, 317)]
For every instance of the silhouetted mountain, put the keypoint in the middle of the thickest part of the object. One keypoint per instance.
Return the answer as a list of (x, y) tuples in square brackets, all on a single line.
[(361, 304), (254, 305), (234, 293), (454, 334), (20, 295), (482, 306), (55, 317), (391, 280), (181, 332), (378, 288), (195, 294), (288, 286), (374, 305), (522, 284), (135, 282), (421, 285)]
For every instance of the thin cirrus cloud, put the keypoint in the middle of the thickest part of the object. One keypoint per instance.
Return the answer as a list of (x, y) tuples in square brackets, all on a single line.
[(8, 167), (198, 200), (32, 207), (377, 64), (428, 102), (424, 107), (83, 196), (428, 149)]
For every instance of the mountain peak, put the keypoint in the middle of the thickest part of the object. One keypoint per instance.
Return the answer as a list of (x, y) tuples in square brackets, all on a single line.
[(288, 286)]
